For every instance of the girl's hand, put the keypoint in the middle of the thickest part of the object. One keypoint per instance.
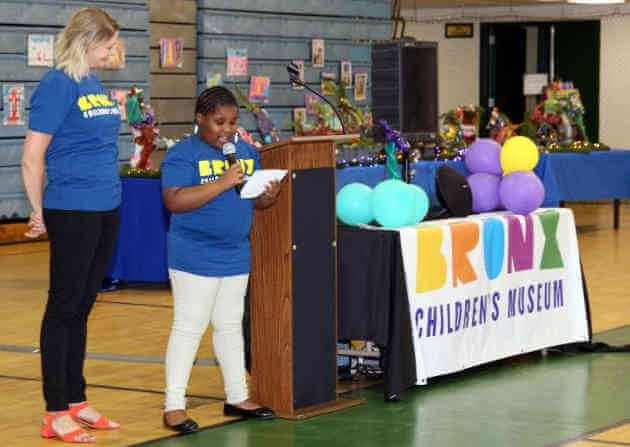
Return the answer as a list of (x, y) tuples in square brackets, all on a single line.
[(271, 191), (233, 176), (36, 225), (268, 198)]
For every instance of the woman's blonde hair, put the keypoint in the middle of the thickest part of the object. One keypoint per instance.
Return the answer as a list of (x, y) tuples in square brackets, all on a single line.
[(86, 28)]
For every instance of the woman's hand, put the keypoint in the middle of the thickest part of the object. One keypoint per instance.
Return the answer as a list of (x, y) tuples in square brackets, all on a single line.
[(36, 225), (33, 174)]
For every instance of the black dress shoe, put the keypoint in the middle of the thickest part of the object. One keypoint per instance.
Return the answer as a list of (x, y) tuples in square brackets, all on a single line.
[(256, 413), (186, 427)]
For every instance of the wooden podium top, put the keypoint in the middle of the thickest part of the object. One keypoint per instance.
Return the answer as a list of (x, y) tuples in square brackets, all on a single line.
[(312, 139)]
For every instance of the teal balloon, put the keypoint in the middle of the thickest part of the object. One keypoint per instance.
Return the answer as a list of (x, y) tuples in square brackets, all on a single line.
[(354, 204), (393, 203), (420, 204)]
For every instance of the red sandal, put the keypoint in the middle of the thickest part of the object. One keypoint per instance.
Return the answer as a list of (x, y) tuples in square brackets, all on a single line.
[(103, 423), (76, 436)]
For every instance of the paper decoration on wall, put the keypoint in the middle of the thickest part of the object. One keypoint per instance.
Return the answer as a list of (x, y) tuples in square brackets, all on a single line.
[(120, 97), (214, 79), (40, 50), (299, 115), (317, 56), (237, 61), (259, 89), (360, 86), (116, 57), (171, 52), (13, 99), (346, 74), (300, 66), (309, 100), (326, 88)]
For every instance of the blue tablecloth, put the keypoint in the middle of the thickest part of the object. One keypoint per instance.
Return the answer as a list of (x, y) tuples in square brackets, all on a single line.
[(566, 177), (141, 250), (593, 176)]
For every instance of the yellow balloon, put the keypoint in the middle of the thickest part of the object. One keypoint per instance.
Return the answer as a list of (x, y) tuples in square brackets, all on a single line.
[(518, 154)]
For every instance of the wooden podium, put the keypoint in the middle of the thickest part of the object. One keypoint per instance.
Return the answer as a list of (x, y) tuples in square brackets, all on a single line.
[(293, 287)]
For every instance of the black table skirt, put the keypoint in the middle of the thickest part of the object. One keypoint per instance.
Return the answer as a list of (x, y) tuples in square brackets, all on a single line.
[(373, 303)]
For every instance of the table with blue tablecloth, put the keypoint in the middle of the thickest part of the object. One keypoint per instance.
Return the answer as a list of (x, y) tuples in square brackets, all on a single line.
[(141, 249), (140, 253), (566, 176)]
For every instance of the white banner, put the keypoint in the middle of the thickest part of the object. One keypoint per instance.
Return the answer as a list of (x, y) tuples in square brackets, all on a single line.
[(492, 286)]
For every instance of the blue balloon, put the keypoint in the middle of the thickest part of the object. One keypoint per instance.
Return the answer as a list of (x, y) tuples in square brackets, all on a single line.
[(354, 204), (420, 204), (393, 203)]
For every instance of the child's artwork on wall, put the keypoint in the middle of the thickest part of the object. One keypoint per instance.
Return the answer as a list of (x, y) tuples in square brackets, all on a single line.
[(40, 50), (259, 89), (13, 100), (237, 61), (171, 53)]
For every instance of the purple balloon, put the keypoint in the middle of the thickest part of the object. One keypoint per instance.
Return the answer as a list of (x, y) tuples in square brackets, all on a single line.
[(484, 156), (521, 192), (485, 192)]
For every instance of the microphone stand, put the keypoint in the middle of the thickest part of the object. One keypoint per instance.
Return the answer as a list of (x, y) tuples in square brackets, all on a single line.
[(294, 78)]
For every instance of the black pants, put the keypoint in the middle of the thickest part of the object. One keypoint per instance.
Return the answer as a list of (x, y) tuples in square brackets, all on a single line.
[(81, 247)]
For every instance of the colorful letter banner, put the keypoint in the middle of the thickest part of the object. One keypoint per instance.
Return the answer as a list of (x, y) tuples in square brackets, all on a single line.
[(492, 286)]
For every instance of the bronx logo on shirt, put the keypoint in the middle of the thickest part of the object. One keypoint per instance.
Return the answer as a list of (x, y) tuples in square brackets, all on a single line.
[(210, 170), (96, 105)]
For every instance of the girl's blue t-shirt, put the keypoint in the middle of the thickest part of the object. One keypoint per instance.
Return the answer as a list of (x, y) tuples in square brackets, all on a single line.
[(212, 240), (82, 158)]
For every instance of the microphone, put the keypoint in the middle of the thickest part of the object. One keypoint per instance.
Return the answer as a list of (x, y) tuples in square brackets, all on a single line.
[(294, 76), (228, 152)]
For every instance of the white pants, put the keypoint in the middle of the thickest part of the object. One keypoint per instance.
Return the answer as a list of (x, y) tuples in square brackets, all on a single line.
[(197, 301)]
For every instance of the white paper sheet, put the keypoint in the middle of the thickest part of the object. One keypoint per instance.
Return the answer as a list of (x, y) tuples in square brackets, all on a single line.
[(256, 184)]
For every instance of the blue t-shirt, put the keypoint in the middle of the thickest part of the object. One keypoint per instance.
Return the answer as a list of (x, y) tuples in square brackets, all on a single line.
[(212, 240), (82, 158)]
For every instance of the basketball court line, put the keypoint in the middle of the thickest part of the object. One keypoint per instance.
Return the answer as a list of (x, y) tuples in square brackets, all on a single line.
[(127, 303), (586, 436), (117, 388), (202, 361), (599, 441)]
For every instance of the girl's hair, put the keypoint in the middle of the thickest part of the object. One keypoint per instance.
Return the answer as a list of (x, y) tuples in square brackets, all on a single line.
[(86, 28), (212, 98)]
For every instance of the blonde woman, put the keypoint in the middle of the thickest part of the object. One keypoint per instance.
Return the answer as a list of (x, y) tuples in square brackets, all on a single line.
[(72, 140)]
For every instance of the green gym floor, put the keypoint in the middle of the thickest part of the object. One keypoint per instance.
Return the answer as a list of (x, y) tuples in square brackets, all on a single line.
[(534, 400)]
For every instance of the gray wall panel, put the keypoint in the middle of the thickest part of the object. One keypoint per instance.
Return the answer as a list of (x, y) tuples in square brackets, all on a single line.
[(352, 8), (264, 25), (57, 13)]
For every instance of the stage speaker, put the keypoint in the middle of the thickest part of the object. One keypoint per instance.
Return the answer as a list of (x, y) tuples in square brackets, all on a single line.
[(405, 87)]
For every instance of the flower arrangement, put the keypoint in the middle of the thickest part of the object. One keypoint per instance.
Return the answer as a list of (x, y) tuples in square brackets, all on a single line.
[(452, 144), (141, 119), (560, 116), (500, 126), (468, 117)]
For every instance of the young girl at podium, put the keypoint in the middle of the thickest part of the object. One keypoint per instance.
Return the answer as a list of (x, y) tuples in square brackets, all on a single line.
[(209, 253)]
